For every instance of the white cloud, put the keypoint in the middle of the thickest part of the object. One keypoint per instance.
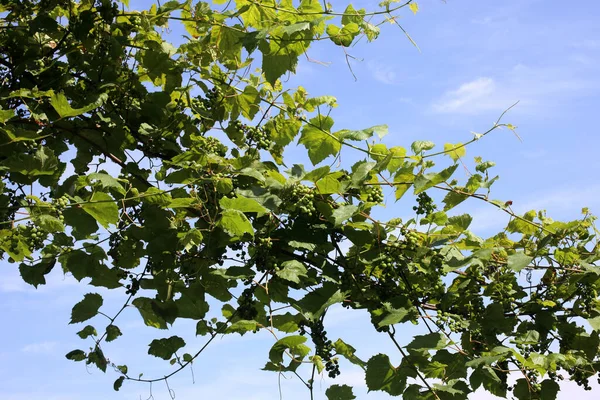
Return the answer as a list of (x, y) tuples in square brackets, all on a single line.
[(538, 90), (40, 348), (466, 96), (382, 72)]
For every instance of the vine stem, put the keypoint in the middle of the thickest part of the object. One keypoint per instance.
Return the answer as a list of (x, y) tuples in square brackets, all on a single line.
[(190, 361), (421, 377)]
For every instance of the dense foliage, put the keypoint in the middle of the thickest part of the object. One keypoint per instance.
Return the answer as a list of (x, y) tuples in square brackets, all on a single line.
[(159, 171)]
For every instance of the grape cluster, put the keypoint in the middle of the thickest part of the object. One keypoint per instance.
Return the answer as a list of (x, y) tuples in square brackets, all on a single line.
[(425, 205), (255, 136), (263, 257), (375, 194), (34, 237), (454, 322), (134, 286), (323, 346), (412, 239), (30, 146), (213, 145), (302, 197), (208, 106), (436, 261), (587, 298), (246, 308), (59, 205), (114, 242)]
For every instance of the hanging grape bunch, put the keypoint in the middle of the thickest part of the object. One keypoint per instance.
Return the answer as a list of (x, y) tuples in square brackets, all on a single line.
[(246, 308), (209, 109), (254, 136), (374, 194), (212, 145), (59, 205), (262, 255), (323, 346), (425, 205), (302, 200)]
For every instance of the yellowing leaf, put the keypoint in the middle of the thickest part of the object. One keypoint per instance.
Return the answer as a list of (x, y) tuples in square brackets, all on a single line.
[(414, 7), (455, 151)]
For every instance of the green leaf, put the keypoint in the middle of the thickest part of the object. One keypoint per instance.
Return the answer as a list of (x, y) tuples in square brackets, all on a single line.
[(314, 304), (521, 389), (165, 348), (317, 139), (191, 238), (106, 181), (76, 355), (295, 345), (86, 308), (339, 392), (393, 316), (112, 332), (243, 204), (403, 180), (148, 313), (421, 145), (87, 332), (426, 181), (455, 151), (518, 261), (361, 172), (35, 274), (347, 351), (434, 369), (63, 108), (364, 134), (247, 102), (118, 383), (342, 213), (343, 36), (292, 271), (43, 163), (235, 224), (431, 341), (293, 28), (549, 389), (274, 66), (381, 375), (103, 208), (5, 115), (243, 326), (49, 223), (287, 322), (328, 185)]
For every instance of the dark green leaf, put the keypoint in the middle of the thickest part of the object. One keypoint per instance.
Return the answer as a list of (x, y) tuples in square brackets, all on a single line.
[(76, 355), (112, 332), (86, 308), (339, 392), (87, 332), (165, 348)]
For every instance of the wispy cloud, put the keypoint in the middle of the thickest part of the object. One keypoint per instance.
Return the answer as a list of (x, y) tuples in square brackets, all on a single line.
[(40, 348), (538, 89), (382, 72), (466, 97)]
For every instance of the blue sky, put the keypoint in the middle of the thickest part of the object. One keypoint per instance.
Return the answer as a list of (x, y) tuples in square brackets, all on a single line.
[(477, 58)]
